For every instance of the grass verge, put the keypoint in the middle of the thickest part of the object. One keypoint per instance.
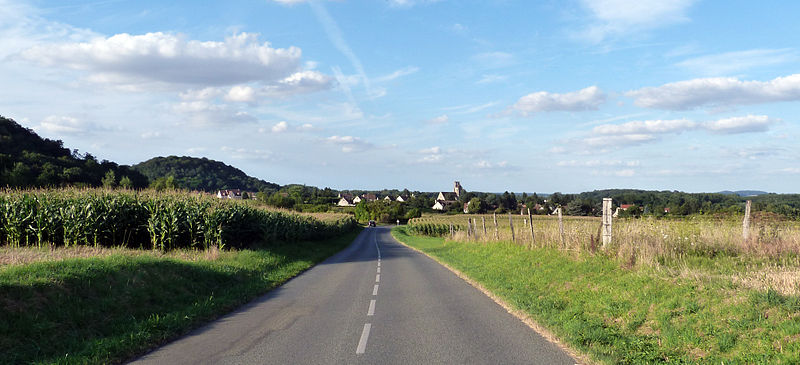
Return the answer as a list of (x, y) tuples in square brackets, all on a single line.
[(109, 309), (629, 316)]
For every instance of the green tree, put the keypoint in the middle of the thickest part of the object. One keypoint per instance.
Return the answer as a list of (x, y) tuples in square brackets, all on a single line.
[(109, 180), (125, 183), (21, 175), (476, 206)]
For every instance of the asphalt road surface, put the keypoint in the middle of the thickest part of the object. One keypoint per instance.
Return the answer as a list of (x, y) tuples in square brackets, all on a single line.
[(376, 302)]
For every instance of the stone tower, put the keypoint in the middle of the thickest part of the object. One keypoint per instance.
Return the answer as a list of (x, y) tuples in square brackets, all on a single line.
[(458, 189)]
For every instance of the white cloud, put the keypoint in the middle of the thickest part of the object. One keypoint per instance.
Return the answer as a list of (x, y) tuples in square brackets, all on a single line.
[(206, 114), (620, 17), (299, 83), (433, 150), (206, 93), (495, 59), (56, 125), (716, 92), (306, 127), (619, 141), (430, 155), (442, 119), (280, 127), (746, 124), (410, 3), (589, 98), (349, 143), (170, 59), (646, 127), (640, 132), (241, 93), (468, 108), (248, 154), (398, 74), (151, 135), (488, 79), (290, 2), (597, 163), (487, 165), (731, 62)]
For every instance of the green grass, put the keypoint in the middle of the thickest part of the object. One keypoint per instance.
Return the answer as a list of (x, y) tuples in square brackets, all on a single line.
[(630, 316), (108, 309)]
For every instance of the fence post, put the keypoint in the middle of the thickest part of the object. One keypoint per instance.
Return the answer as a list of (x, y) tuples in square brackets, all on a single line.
[(606, 221), (511, 224), (469, 227), (746, 222), (530, 224), (451, 229), (496, 231), (484, 227), (561, 227)]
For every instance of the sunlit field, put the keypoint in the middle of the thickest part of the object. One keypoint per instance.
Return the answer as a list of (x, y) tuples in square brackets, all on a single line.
[(690, 246)]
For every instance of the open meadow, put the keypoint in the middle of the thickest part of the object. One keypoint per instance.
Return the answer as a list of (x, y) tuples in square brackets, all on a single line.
[(676, 290), (688, 246)]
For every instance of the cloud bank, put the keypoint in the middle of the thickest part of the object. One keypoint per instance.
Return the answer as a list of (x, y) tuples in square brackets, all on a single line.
[(715, 92)]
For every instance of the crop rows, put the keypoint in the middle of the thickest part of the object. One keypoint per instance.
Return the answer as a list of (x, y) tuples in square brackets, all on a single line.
[(163, 221)]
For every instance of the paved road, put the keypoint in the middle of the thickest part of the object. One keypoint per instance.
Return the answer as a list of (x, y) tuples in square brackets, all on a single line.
[(375, 302)]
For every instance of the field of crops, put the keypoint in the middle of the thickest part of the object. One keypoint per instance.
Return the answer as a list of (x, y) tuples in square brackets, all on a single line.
[(644, 240), (163, 221)]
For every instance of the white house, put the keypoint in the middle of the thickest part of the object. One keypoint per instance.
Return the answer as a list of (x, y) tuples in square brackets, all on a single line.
[(346, 201), (402, 199), (229, 194), (442, 204), (388, 198), (357, 200)]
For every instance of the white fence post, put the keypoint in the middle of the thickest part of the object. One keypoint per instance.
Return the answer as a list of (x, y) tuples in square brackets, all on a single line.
[(606, 222)]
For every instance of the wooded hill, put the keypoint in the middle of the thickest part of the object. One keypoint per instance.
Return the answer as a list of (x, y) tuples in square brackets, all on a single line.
[(202, 174), (28, 160)]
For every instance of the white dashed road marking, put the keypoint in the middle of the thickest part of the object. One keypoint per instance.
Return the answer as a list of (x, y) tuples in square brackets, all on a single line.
[(362, 343)]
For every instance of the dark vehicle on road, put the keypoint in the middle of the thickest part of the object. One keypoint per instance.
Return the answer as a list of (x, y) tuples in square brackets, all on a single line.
[(371, 223)]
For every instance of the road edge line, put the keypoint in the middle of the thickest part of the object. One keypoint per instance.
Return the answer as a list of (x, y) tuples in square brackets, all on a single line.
[(519, 314)]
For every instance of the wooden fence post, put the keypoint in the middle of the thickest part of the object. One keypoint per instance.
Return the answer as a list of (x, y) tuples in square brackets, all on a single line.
[(511, 224), (606, 221), (496, 230), (530, 224), (484, 227), (561, 227), (746, 222), (469, 227)]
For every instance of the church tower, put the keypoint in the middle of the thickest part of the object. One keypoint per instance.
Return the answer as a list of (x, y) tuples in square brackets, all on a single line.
[(458, 189)]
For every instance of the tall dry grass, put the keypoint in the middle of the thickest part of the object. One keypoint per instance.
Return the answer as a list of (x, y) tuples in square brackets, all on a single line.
[(635, 241)]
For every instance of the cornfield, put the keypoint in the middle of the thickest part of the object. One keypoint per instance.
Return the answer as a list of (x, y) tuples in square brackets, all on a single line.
[(162, 221)]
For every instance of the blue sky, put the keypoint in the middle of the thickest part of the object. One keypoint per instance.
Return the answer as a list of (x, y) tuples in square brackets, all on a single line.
[(539, 96)]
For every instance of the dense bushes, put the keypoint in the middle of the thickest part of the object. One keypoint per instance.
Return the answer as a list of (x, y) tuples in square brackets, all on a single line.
[(149, 220), (430, 229)]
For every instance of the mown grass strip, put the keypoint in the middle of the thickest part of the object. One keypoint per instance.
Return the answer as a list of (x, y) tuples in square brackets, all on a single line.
[(622, 316), (108, 309)]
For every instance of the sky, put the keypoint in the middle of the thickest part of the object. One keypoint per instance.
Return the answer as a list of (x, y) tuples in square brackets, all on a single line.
[(502, 95)]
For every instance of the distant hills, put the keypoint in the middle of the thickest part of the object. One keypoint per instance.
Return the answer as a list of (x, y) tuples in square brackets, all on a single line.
[(743, 193), (28, 160), (202, 174)]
